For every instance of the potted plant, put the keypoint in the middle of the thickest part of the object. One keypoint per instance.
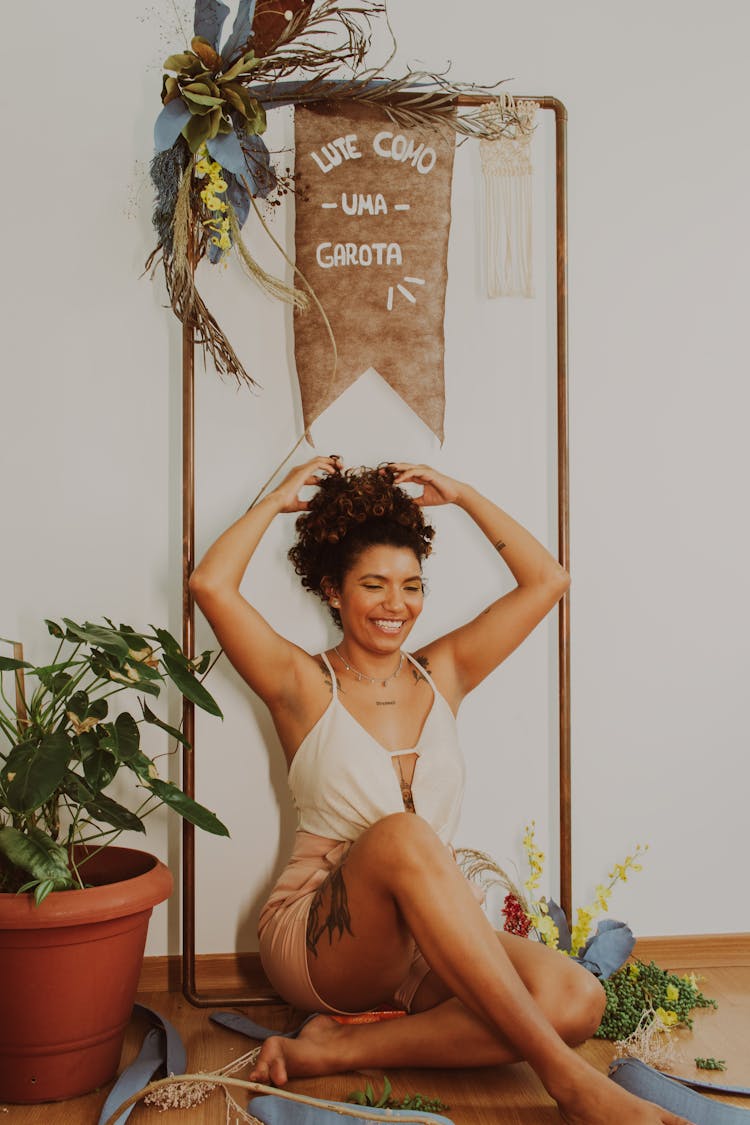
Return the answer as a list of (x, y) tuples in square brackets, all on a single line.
[(74, 909)]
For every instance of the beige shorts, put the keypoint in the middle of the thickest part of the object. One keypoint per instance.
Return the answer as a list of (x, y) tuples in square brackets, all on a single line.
[(283, 928)]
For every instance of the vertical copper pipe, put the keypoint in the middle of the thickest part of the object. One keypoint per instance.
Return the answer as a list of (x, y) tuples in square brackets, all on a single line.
[(188, 645), (204, 1000), (563, 505)]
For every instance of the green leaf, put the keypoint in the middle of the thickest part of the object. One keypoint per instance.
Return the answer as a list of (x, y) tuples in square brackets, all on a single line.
[(145, 671), (167, 641), (256, 118), (357, 1097), (387, 1088), (107, 811), (8, 664), (142, 767), (185, 61), (76, 788), (33, 770), (36, 852), (243, 66), (99, 635), (128, 736), (54, 629), (369, 1093), (122, 737), (150, 717), (196, 814), (78, 704), (97, 709), (203, 661), (45, 672), (190, 687), (99, 768), (54, 680)]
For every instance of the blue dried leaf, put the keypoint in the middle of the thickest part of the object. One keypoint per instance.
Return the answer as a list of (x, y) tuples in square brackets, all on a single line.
[(261, 175), (169, 124), (209, 20), (608, 949), (242, 29), (558, 917), (238, 197), (227, 150)]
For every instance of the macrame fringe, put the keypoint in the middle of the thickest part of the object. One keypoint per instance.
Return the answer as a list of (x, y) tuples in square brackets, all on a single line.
[(507, 174)]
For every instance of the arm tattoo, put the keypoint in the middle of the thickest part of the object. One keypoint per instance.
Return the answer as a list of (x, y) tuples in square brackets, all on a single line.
[(327, 678), (338, 912), (418, 677), (499, 546)]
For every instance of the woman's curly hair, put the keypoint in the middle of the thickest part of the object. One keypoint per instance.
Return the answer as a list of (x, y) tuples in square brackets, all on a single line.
[(351, 511)]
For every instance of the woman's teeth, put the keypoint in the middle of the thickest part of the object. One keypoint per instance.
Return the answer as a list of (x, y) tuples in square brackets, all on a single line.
[(388, 626)]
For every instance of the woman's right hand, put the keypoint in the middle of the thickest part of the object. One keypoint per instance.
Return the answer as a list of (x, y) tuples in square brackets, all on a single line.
[(287, 492)]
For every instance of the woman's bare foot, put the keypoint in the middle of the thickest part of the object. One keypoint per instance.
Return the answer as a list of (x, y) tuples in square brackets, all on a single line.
[(317, 1050), (597, 1100)]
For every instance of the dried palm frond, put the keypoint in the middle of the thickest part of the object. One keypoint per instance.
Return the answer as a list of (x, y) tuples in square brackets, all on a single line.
[(271, 285), (482, 869), (417, 99), (296, 48)]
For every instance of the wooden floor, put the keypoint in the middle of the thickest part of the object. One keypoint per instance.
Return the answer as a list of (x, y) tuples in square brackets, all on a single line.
[(510, 1095)]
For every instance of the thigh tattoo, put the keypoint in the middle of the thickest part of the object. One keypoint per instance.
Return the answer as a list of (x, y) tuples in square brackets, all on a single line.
[(338, 912)]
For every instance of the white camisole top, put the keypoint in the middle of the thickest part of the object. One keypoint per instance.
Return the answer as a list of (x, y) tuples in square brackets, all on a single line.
[(342, 780)]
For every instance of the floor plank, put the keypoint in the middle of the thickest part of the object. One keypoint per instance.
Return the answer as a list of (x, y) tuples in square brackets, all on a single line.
[(510, 1095)]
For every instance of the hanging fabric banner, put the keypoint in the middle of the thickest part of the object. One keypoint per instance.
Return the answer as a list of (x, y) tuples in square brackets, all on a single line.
[(372, 221)]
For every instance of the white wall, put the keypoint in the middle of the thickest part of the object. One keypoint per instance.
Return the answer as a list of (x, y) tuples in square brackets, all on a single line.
[(90, 435)]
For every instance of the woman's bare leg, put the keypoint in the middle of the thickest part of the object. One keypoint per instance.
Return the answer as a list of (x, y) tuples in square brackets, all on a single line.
[(399, 880)]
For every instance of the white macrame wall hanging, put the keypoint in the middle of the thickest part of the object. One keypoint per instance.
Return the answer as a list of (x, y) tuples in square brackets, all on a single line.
[(507, 172)]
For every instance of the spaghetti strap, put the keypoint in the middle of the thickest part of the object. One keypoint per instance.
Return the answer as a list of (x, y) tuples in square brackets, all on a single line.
[(334, 682), (423, 672)]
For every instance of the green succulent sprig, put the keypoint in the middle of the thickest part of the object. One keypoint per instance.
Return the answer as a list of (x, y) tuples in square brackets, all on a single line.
[(636, 987), (385, 1100), (210, 93)]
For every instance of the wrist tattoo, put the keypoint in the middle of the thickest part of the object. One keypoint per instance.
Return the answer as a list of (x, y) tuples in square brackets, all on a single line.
[(385, 702), (500, 545)]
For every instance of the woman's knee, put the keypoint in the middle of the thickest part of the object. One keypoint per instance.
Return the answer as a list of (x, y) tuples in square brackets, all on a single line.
[(579, 1006), (401, 838)]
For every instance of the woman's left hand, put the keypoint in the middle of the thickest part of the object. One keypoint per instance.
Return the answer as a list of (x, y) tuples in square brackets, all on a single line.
[(438, 489)]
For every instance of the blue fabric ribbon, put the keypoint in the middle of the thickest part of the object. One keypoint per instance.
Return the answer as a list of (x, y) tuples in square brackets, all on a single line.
[(672, 1093), (162, 1047)]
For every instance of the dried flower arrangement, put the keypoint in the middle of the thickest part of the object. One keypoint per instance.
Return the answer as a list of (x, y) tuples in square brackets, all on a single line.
[(528, 914), (211, 163)]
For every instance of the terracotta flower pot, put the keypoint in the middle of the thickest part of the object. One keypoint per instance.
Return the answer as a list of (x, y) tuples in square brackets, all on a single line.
[(70, 972)]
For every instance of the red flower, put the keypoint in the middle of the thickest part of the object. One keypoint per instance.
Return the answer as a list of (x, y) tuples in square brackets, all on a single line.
[(516, 919)]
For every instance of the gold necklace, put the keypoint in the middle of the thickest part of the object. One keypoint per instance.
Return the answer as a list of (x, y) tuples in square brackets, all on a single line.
[(370, 679)]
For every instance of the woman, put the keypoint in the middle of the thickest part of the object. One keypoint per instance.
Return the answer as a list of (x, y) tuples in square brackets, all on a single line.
[(372, 907)]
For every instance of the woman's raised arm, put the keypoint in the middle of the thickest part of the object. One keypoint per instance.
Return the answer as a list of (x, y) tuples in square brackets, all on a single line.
[(267, 661), (471, 652)]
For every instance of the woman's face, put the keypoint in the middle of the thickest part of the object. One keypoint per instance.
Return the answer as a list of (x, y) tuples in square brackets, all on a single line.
[(381, 597)]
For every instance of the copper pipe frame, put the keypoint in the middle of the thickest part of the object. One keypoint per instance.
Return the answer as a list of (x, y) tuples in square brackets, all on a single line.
[(189, 988)]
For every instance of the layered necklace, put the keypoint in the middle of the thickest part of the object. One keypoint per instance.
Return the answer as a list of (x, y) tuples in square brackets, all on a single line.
[(405, 786), (371, 679)]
